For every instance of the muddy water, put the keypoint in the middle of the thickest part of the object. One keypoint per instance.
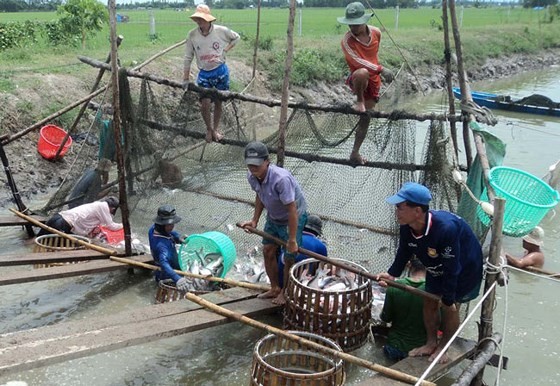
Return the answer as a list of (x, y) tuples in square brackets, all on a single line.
[(526, 310)]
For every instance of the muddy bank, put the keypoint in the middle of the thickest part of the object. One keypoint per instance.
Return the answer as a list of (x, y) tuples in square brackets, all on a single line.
[(36, 176)]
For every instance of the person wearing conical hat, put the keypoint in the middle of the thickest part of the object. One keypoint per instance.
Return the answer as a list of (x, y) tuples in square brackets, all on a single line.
[(360, 46), (209, 43), (533, 256)]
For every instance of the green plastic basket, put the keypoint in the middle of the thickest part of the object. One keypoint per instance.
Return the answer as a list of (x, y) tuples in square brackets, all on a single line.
[(528, 199), (205, 243)]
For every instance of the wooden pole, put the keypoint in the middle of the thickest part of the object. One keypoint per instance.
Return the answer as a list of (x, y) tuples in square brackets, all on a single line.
[(388, 372), (65, 235), (343, 265), (283, 123), (486, 314), (13, 188), (85, 105), (542, 272), (449, 77), (117, 128), (227, 95), (257, 34), (462, 80), (479, 361), (233, 283)]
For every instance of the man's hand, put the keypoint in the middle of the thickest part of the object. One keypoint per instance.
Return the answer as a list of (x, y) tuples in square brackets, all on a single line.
[(382, 277), (387, 75), (292, 247), (182, 284), (252, 224)]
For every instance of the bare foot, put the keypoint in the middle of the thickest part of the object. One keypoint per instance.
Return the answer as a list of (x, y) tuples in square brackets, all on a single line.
[(217, 136), (425, 350), (360, 106), (280, 299), (444, 358), (209, 136), (358, 159), (271, 293)]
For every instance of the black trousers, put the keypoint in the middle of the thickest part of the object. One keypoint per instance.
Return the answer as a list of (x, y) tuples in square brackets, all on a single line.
[(57, 222)]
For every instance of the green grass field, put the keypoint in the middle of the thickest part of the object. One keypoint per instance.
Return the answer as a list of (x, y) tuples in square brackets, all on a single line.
[(488, 32)]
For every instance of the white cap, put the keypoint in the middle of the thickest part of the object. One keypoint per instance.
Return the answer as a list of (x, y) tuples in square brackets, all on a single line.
[(535, 237)]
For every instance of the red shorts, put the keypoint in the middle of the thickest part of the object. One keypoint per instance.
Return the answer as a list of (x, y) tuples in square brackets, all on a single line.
[(372, 90)]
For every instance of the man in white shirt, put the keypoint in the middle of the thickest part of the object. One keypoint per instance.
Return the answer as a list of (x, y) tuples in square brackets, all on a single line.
[(83, 219), (209, 43)]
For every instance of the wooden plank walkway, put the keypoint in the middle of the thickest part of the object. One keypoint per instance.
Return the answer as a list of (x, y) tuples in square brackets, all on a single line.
[(50, 257), (12, 220), (61, 342), (85, 268), (459, 350)]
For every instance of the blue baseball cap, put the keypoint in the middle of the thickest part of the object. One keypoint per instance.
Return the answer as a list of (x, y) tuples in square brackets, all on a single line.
[(412, 192)]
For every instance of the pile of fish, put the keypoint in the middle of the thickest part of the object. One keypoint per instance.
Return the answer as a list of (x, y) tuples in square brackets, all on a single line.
[(329, 279), (210, 264)]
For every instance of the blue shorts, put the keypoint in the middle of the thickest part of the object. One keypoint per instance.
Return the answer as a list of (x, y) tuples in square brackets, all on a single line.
[(217, 78), (281, 232)]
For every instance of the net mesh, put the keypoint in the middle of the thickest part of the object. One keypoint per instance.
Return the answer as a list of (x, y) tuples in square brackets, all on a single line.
[(163, 123)]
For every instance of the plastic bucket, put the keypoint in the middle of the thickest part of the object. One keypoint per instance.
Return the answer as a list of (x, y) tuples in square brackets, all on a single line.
[(199, 245), (50, 138), (528, 199)]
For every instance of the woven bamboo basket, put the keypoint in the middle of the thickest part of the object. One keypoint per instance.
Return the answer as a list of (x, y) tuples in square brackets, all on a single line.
[(56, 243), (343, 316), (278, 361), (167, 292)]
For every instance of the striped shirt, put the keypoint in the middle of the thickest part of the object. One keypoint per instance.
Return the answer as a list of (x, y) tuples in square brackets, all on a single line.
[(360, 55)]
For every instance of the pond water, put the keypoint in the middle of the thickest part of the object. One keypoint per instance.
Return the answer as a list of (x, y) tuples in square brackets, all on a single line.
[(525, 314)]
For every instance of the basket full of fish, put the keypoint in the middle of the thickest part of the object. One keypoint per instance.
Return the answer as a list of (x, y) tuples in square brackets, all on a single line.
[(330, 301)]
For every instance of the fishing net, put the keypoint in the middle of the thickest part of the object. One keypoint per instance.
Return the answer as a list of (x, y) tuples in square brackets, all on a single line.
[(164, 123)]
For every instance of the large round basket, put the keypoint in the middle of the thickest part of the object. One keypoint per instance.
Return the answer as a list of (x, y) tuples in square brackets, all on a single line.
[(343, 316), (528, 199), (199, 245), (56, 243), (168, 292), (279, 361)]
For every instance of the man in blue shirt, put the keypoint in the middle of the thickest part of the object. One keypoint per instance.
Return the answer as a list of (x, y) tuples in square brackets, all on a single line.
[(162, 246), (279, 193), (310, 240), (451, 253)]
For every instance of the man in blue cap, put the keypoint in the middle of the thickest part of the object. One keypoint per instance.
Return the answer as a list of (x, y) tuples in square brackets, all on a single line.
[(451, 253)]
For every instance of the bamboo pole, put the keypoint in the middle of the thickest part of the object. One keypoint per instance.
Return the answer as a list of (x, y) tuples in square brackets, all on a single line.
[(542, 272), (283, 121), (486, 314), (5, 139), (65, 235), (13, 188), (123, 200), (257, 36), (227, 95), (230, 282), (479, 361), (388, 372), (343, 265)]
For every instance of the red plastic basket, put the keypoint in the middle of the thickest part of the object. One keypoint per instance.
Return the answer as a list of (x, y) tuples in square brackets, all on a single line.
[(112, 237), (50, 138)]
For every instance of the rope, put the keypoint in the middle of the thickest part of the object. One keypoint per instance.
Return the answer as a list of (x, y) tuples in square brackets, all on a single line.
[(481, 114), (461, 327)]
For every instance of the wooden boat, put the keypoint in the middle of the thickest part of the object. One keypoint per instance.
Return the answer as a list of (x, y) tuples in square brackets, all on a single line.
[(533, 104)]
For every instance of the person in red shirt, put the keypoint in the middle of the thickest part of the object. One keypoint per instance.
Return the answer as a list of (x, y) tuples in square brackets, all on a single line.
[(360, 46)]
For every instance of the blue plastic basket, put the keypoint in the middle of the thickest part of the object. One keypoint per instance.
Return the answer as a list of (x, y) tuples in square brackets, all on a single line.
[(528, 199), (205, 243)]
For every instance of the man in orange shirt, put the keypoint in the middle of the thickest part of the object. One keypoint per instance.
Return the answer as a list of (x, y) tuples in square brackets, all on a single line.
[(360, 46)]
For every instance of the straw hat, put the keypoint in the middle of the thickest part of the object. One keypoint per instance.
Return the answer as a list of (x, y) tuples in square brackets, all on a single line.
[(535, 237), (203, 12)]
